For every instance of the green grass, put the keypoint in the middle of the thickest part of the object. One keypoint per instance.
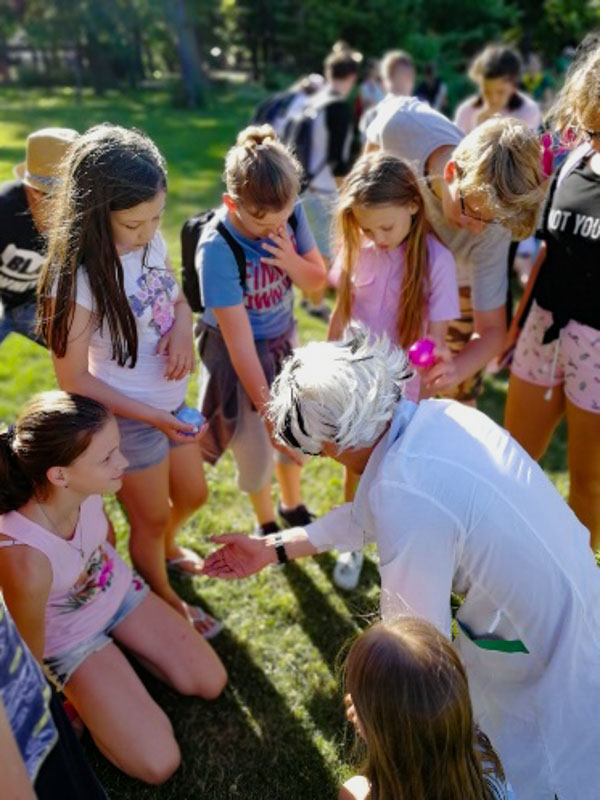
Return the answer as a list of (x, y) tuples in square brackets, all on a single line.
[(278, 732)]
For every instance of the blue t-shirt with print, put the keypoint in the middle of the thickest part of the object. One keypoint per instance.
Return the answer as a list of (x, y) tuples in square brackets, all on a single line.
[(269, 297)]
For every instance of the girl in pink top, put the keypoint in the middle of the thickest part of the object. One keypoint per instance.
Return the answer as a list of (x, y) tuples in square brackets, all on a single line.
[(393, 275), (72, 596)]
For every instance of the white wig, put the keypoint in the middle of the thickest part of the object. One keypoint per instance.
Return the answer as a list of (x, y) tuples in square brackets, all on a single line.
[(342, 392)]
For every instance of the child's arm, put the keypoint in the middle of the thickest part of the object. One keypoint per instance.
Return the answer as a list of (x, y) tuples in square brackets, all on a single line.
[(306, 271), (236, 331), (178, 343), (73, 376), (26, 579), (436, 330)]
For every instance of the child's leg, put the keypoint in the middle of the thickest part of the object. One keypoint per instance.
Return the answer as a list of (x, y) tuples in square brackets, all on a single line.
[(145, 496), (126, 724), (288, 476), (253, 455), (187, 491), (171, 649), (529, 417), (584, 468)]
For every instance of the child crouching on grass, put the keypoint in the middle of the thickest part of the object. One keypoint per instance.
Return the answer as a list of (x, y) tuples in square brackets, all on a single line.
[(408, 698)]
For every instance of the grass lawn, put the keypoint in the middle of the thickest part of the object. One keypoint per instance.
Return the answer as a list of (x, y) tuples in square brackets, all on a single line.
[(278, 732)]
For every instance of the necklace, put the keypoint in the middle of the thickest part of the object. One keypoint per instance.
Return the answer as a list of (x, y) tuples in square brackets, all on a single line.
[(78, 547)]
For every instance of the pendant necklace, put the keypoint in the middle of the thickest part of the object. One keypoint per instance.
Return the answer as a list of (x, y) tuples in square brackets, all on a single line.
[(78, 547)]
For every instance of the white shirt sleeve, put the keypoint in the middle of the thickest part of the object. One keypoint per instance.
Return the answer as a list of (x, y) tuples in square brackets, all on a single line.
[(418, 542), (336, 530), (83, 290)]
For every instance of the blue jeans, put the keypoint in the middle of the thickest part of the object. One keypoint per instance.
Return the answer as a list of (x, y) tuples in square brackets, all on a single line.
[(19, 319)]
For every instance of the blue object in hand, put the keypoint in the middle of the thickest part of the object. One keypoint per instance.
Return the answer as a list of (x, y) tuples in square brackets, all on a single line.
[(191, 416)]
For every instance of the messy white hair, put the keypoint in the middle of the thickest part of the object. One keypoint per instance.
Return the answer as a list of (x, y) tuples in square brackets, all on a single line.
[(343, 392)]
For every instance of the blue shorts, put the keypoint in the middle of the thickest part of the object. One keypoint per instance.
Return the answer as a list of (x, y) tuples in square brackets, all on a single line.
[(142, 444), (60, 667)]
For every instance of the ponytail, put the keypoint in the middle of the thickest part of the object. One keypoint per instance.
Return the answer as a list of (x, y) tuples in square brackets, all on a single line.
[(53, 430)]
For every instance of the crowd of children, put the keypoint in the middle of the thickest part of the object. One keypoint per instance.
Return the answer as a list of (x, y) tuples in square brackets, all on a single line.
[(415, 237)]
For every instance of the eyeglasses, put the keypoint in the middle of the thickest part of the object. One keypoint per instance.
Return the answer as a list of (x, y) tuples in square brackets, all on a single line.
[(591, 135), (465, 213)]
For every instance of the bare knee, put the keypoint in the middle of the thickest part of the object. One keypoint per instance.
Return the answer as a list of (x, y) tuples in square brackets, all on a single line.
[(159, 765), (191, 499), (208, 684)]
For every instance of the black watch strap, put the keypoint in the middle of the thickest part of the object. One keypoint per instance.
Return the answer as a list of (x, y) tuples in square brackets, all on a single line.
[(280, 549)]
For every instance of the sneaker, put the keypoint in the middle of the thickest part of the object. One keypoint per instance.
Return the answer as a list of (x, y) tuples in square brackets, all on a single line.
[(304, 303), (266, 529), (346, 572), (321, 312), (298, 517)]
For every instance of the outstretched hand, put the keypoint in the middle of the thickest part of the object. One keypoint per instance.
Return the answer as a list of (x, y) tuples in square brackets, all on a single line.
[(240, 557)]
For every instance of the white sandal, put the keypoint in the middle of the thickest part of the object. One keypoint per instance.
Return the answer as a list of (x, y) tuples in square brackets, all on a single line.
[(211, 627)]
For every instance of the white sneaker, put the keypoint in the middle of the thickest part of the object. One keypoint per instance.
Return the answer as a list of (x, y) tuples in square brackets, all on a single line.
[(346, 572)]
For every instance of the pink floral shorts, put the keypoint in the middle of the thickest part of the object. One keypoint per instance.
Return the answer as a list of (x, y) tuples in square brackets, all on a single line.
[(575, 366)]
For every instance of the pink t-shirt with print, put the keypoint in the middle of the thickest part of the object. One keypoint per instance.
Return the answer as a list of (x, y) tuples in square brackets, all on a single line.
[(377, 290), (89, 578)]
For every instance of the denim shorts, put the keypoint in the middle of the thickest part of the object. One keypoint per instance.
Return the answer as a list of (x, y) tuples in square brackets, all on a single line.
[(142, 444), (60, 667)]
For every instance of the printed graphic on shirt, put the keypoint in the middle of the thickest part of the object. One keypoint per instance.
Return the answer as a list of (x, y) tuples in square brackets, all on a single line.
[(266, 286), (584, 225), (19, 269), (157, 287), (96, 577)]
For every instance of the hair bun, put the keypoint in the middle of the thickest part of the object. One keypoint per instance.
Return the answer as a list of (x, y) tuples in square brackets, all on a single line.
[(256, 135)]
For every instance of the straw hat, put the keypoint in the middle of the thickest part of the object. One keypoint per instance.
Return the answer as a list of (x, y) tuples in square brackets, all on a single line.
[(45, 150)]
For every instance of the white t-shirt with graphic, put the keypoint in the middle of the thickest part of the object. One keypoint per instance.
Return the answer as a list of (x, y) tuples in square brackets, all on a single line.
[(152, 290)]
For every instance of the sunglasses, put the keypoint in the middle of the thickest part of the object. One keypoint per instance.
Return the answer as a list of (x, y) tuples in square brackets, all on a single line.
[(465, 213), (591, 135)]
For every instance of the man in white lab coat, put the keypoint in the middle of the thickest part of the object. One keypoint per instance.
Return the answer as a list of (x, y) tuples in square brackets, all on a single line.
[(454, 503)]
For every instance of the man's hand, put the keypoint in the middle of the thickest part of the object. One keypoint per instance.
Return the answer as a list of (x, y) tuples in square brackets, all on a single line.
[(240, 557)]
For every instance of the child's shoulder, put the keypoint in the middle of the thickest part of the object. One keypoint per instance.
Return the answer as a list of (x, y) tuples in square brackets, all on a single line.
[(438, 252)]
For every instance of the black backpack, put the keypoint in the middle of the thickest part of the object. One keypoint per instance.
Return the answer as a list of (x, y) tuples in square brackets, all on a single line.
[(298, 135), (273, 107), (190, 236)]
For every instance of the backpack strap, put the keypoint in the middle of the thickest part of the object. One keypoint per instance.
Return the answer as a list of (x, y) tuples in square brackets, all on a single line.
[(238, 253)]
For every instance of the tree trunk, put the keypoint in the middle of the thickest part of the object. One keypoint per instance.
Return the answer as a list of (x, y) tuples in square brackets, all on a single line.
[(189, 57)]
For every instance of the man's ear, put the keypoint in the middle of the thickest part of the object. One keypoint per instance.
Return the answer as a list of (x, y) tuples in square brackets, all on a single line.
[(450, 171)]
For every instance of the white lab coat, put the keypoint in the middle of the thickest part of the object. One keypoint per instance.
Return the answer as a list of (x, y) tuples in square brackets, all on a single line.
[(453, 502)]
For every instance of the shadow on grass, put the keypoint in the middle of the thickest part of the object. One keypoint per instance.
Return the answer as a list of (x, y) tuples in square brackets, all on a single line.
[(359, 601), (246, 744)]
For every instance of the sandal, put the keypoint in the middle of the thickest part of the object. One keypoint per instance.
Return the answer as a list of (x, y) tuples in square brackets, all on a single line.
[(176, 565), (204, 623)]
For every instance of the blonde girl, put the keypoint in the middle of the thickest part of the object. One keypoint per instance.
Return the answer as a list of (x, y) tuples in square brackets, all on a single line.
[(248, 325), (120, 331), (393, 275), (408, 698), (556, 368)]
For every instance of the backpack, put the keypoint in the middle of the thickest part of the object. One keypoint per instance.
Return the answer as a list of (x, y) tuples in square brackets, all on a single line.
[(191, 232), (298, 135), (272, 108)]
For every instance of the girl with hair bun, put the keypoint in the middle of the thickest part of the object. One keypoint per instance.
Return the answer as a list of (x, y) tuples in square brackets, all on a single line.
[(120, 331), (408, 699), (496, 71), (248, 325), (72, 596)]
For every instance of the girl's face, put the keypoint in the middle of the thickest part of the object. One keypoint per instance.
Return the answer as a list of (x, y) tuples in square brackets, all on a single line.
[(99, 469), (254, 227), (497, 92), (386, 226), (589, 125), (134, 227)]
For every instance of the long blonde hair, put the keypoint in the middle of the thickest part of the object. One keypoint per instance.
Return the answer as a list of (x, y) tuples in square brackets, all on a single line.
[(381, 179), (260, 172), (580, 95), (411, 696)]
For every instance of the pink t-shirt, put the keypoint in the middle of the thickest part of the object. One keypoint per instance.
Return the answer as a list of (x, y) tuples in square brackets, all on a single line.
[(377, 289), (529, 112), (87, 589)]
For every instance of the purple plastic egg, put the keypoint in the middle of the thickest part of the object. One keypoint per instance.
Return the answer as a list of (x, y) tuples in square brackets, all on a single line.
[(420, 353)]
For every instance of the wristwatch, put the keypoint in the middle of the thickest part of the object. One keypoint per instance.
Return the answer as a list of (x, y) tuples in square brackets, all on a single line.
[(280, 549)]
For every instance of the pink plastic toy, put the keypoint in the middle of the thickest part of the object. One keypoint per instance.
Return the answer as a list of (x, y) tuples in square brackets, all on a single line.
[(420, 353)]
